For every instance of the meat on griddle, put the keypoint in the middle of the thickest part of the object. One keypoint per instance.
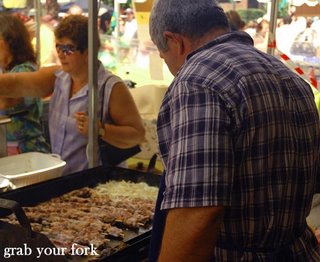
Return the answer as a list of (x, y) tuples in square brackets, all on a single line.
[(86, 218)]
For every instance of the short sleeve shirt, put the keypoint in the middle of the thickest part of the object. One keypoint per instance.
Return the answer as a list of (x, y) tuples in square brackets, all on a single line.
[(238, 129)]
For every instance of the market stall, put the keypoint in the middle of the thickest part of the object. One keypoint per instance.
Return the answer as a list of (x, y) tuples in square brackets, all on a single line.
[(133, 246)]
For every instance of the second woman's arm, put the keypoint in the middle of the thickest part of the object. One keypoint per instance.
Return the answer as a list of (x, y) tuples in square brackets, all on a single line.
[(32, 84)]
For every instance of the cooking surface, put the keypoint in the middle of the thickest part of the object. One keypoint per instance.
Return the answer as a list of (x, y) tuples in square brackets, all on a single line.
[(133, 240)]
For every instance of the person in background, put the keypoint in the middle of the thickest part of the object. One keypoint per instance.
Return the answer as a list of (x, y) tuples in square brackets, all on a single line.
[(107, 53), (130, 27), (306, 42), (129, 38), (250, 27), (235, 21), (52, 8), (260, 37), (75, 10), (285, 35), (68, 120), (24, 133), (104, 21), (48, 53), (239, 138)]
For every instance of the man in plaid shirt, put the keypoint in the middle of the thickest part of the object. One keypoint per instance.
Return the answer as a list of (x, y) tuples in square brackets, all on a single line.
[(239, 136)]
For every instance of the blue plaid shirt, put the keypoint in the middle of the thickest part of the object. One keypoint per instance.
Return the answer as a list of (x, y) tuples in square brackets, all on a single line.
[(238, 129)]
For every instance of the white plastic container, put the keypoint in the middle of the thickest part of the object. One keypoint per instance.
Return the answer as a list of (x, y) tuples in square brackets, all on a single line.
[(30, 168)]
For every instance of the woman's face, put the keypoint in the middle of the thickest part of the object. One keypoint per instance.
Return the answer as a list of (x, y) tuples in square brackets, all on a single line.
[(72, 60), (5, 54)]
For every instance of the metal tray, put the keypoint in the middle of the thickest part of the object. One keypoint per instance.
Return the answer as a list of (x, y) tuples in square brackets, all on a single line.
[(30, 168), (136, 241)]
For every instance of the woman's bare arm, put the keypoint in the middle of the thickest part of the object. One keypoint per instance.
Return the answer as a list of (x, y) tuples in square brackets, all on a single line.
[(37, 84), (128, 129)]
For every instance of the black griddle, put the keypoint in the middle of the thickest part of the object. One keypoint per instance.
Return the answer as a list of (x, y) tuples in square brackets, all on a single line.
[(136, 242)]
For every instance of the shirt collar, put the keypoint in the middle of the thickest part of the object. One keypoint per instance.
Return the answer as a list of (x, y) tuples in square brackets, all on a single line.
[(234, 36)]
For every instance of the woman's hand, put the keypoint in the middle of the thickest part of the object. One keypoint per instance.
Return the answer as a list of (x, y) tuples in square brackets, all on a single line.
[(82, 122)]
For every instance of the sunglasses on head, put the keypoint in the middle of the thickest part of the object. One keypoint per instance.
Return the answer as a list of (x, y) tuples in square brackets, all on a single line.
[(66, 49)]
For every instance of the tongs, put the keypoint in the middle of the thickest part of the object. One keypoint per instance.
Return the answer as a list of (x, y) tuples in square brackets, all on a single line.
[(23, 238), (21, 112)]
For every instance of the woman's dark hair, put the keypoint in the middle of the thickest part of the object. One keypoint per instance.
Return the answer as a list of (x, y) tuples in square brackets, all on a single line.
[(105, 20), (235, 21), (75, 28), (16, 35)]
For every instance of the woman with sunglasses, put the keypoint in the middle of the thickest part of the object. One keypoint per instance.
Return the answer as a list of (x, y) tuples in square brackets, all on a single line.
[(68, 83), (24, 132)]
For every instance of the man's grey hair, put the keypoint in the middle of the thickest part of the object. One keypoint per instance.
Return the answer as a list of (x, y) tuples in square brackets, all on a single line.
[(192, 18)]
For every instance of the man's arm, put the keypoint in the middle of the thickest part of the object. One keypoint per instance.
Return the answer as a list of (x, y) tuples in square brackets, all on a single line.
[(190, 234), (36, 84)]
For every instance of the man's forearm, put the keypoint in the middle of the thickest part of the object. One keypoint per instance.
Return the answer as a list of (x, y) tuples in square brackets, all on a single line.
[(190, 234)]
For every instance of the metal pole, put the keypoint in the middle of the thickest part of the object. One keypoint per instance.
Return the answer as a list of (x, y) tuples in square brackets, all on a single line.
[(37, 7), (273, 24), (233, 4), (3, 135), (93, 84), (116, 10)]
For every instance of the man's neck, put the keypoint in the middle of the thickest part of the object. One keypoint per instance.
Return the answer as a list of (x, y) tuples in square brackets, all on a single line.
[(210, 36)]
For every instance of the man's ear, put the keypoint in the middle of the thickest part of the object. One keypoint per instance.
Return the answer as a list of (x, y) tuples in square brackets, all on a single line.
[(177, 41)]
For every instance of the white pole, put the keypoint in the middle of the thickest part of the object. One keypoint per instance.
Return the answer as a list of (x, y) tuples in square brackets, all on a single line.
[(273, 23)]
